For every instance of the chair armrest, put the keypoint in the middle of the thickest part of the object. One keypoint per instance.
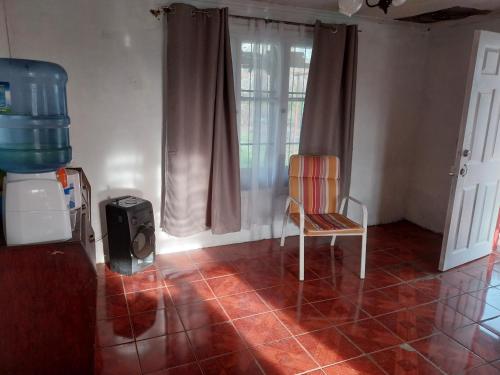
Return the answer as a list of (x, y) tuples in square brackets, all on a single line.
[(360, 204)]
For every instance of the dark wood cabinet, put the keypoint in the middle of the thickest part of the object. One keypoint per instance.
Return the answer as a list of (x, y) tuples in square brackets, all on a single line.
[(48, 302)]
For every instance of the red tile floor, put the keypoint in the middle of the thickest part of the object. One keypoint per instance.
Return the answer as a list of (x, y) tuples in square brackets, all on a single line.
[(239, 309)]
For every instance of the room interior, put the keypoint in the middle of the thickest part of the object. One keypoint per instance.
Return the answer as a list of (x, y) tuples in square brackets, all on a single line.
[(230, 297)]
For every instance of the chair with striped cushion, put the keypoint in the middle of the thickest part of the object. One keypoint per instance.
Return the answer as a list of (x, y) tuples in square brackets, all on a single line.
[(312, 204)]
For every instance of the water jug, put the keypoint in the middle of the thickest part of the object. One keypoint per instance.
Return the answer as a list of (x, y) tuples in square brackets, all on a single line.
[(34, 122)]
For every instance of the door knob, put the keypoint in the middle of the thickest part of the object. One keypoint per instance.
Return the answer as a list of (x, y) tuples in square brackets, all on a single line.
[(466, 153)]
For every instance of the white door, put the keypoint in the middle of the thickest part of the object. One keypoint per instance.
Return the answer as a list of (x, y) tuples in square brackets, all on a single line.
[(475, 193)]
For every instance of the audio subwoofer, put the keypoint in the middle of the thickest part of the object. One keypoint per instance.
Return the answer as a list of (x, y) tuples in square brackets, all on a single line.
[(131, 234)]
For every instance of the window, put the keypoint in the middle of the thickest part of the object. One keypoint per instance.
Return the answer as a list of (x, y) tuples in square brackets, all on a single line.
[(272, 79), (300, 59)]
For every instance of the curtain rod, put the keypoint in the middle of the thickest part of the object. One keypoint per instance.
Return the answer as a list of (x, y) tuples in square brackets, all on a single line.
[(166, 9)]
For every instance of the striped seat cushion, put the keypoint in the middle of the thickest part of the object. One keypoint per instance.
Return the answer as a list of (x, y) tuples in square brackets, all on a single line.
[(323, 224), (314, 181)]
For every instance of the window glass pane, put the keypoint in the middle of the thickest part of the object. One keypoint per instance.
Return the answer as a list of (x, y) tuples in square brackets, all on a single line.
[(263, 77), (300, 60)]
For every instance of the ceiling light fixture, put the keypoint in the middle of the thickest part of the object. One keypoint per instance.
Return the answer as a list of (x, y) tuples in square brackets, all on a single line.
[(385, 4), (349, 7)]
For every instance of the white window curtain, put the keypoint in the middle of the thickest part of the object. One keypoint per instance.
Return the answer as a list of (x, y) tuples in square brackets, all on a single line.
[(271, 65)]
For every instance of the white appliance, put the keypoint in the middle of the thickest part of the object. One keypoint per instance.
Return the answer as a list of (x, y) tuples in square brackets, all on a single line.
[(35, 209), (75, 199)]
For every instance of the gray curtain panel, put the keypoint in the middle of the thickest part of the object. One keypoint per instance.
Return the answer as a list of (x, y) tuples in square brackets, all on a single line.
[(201, 187), (328, 120)]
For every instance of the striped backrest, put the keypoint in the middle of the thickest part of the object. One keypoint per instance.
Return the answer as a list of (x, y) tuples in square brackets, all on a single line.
[(314, 181)]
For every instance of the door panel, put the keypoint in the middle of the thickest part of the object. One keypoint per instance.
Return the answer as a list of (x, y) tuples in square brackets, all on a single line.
[(474, 198)]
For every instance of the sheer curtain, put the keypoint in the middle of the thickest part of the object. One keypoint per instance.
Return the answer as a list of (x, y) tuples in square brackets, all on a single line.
[(271, 66)]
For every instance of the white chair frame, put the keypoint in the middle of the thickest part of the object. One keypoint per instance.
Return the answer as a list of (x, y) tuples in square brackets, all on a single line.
[(302, 234)]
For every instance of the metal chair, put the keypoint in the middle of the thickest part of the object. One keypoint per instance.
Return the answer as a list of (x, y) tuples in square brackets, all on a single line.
[(312, 204)]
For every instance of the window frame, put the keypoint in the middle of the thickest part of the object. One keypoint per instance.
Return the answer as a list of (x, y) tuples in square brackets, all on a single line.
[(283, 101)]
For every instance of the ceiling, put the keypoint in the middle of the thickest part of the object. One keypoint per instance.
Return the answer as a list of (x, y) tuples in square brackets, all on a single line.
[(410, 8)]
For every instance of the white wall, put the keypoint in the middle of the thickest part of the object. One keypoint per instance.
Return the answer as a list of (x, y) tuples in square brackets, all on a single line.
[(437, 135), (112, 51)]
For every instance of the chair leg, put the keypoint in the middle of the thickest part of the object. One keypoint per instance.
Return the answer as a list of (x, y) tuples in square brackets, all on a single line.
[(333, 241), (285, 222), (363, 256), (301, 256)]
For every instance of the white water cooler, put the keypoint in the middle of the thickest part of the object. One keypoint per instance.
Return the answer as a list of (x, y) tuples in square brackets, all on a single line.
[(35, 209)]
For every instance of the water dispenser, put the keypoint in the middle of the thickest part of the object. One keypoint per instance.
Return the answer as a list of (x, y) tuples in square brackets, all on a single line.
[(34, 143)]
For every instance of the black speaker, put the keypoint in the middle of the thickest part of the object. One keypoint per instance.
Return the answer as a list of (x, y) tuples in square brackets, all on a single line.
[(131, 234)]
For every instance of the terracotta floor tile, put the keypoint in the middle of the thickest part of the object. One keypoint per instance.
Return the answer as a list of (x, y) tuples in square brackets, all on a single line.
[(250, 265), (156, 323), (442, 316), (111, 306), (215, 340), (357, 366), (148, 300), (189, 369), (119, 359), (484, 370), (369, 335), (496, 364), (376, 303), (328, 346), (490, 295), (340, 310), (173, 260), (260, 329), (436, 288), (379, 278), (267, 279), (493, 325), (211, 254), (408, 325), (195, 291), (406, 272), (143, 281), (480, 340), (303, 318), (165, 351), (293, 271), (381, 259), (234, 363), (227, 285), (109, 286), (283, 357), (462, 281), (404, 254), (322, 268), (200, 290), (487, 276), (406, 295), (281, 296), (242, 305), (404, 360), (447, 354), (216, 269), (347, 283), (318, 290), (472, 307), (113, 331), (173, 276), (200, 314)]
